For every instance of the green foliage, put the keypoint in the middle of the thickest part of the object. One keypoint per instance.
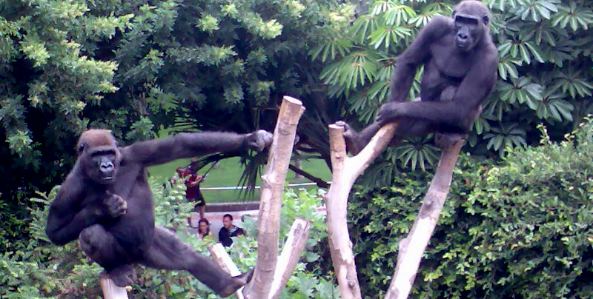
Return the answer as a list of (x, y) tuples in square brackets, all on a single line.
[(138, 67), (37, 269), (521, 229), (544, 70)]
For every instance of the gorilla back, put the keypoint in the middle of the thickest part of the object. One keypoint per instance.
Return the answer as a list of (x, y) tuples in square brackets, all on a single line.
[(106, 203)]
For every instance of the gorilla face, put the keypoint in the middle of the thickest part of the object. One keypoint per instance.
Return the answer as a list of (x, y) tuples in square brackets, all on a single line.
[(471, 23), (100, 164), (467, 32), (98, 156)]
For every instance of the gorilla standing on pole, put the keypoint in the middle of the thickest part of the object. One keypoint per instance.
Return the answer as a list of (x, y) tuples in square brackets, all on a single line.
[(460, 63), (106, 203)]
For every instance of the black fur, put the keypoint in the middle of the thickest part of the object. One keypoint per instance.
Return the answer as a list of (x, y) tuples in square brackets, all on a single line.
[(460, 70), (106, 203)]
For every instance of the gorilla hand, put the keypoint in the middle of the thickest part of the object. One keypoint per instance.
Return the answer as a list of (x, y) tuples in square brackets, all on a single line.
[(389, 112), (259, 140), (115, 205)]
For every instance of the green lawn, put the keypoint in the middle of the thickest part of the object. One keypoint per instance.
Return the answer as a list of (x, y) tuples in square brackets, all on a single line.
[(227, 174)]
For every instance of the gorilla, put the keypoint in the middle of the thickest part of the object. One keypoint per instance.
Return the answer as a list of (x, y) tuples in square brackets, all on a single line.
[(460, 70), (105, 202)]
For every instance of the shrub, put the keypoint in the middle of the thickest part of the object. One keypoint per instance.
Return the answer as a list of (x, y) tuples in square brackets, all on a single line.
[(521, 229), (38, 269)]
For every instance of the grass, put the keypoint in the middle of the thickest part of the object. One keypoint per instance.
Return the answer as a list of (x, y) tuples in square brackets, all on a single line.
[(227, 174)]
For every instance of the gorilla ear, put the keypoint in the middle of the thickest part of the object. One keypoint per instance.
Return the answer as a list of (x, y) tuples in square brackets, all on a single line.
[(453, 14), (486, 20), (81, 148)]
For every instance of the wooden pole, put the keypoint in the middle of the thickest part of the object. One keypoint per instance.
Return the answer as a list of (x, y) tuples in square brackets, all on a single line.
[(271, 198), (413, 246), (110, 290), (222, 258), (345, 170), (291, 252)]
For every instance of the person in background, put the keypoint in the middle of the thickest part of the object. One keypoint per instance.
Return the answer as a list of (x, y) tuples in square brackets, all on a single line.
[(193, 193), (203, 228), (228, 231)]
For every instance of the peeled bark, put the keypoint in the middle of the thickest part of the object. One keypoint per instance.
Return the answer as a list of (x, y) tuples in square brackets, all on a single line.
[(413, 246), (110, 290), (345, 170), (291, 253), (222, 258), (271, 198)]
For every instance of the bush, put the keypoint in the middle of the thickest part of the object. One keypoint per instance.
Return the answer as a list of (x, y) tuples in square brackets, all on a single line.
[(522, 229), (38, 269)]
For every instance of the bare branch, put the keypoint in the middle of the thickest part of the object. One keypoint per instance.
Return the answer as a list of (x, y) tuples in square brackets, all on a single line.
[(110, 290), (271, 198), (291, 252), (413, 246), (222, 258), (320, 183), (345, 170)]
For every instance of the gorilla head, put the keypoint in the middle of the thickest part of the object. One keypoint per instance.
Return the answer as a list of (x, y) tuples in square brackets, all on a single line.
[(98, 155), (471, 24)]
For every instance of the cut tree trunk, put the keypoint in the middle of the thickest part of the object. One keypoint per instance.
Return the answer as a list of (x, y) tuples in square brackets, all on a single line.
[(345, 170), (413, 246), (110, 290), (271, 198)]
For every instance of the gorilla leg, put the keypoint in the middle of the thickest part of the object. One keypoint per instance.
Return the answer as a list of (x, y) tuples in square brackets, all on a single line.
[(169, 253), (101, 247)]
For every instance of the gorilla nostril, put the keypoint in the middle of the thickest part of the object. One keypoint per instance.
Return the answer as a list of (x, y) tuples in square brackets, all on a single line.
[(106, 167)]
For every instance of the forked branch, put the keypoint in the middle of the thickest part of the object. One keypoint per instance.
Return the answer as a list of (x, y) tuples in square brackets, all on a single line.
[(345, 170)]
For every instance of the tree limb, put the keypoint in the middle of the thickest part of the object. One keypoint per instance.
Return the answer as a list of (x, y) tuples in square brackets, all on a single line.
[(320, 183), (345, 170), (110, 290), (413, 246), (271, 198)]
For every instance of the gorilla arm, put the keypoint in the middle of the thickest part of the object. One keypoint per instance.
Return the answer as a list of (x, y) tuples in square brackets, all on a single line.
[(67, 214), (472, 91), (186, 145), (415, 55)]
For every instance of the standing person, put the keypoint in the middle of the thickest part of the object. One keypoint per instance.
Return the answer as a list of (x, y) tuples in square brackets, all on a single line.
[(228, 230), (203, 228), (193, 193)]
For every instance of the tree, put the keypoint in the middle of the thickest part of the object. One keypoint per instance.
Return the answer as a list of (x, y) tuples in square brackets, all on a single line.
[(137, 67)]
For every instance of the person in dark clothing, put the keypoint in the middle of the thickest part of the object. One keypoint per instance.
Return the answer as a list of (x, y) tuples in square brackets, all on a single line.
[(228, 231)]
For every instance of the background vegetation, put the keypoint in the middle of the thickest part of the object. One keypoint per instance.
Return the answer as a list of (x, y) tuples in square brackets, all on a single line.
[(38, 269), (519, 229), (515, 224)]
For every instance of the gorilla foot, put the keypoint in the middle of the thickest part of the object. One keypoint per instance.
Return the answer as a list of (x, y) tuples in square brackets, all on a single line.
[(236, 283), (123, 276), (355, 142), (445, 141)]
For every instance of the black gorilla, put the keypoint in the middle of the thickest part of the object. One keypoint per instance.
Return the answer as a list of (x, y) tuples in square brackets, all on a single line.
[(106, 203), (460, 62)]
